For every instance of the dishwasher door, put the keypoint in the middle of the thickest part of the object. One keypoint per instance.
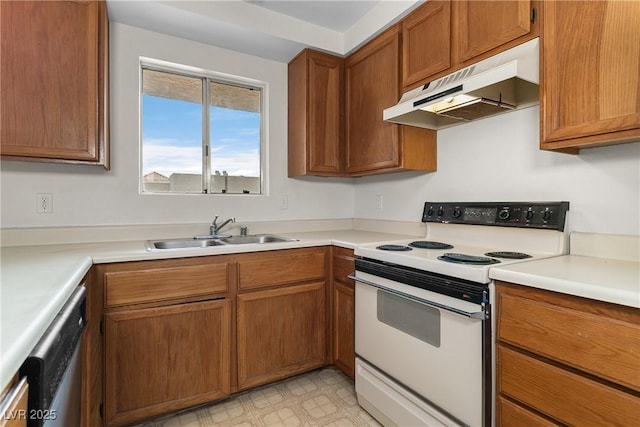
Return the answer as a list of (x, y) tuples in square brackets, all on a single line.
[(53, 369)]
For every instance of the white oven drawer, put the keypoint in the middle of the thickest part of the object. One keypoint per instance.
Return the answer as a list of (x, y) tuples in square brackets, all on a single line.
[(435, 352), (392, 404)]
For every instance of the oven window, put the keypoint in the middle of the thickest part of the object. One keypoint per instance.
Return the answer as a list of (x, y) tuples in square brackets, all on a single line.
[(409, 316)]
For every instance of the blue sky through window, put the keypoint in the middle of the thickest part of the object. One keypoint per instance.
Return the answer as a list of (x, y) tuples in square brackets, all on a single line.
[(172, 138)]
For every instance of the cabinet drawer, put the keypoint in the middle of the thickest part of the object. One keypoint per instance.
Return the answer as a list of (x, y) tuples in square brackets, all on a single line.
[(343, 264), (596, 337), (263, 269), (563, 395), (512, 414), (164, 283)]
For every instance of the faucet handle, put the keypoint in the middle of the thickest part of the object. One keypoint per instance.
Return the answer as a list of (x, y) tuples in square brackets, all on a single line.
[(215, 218)]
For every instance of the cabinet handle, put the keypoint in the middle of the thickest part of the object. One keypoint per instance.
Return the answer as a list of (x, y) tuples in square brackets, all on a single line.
[(480, 315), (534, 14)]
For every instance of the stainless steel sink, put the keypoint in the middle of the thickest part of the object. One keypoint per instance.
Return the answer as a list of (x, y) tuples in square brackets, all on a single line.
[(202, 242), (256, 238), (182, 243)]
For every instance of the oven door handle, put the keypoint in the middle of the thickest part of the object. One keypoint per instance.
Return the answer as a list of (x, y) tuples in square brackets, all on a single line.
[(480, 315)]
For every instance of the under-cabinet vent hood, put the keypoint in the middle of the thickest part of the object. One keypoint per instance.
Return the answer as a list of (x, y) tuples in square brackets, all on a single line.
[(501, 83)]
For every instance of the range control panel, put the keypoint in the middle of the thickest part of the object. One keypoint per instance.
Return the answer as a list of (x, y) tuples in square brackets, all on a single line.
[(546, 215)]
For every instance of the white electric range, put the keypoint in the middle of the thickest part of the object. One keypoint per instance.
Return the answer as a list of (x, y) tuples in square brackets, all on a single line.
[(424, 325)]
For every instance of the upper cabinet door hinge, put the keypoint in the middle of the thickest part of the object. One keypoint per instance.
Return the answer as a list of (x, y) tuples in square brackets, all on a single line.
[(534, 14)]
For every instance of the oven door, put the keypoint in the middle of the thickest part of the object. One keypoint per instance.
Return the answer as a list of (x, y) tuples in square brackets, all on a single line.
[(434, 347)]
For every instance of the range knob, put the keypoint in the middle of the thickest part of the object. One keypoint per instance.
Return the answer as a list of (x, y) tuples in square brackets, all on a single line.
[(546, 215), (504, 214), (457, 212), (529, 215), (440, 211), (430, 211)]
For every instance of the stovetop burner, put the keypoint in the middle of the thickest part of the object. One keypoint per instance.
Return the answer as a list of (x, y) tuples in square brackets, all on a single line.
[(467, 259), (428, 244), (397, 248), (508, 255)]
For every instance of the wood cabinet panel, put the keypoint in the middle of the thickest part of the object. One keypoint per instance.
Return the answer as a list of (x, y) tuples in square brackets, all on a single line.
[(343, 264), (54, 62), (344, 354), (315, 114), (598, 338), (263, 269), (14, 405), (561, 394), (343, 322), (590, 84), (426, 41), (512, 414), (163, 359), (165, 283), (92, 350), (480, 26), (372, 83), (281, 332)]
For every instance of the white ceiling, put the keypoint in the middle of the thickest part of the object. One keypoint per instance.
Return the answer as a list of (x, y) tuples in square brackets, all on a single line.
[(270, 29), (333, 14)]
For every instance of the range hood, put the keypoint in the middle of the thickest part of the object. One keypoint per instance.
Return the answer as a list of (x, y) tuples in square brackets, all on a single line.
[(501, 83)]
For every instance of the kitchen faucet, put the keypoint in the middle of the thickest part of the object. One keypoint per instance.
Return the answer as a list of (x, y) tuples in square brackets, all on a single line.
[(214, 228)]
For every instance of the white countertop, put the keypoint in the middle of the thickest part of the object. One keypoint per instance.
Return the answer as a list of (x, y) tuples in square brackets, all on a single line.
[(36, 281), (600, 267), (601, 279)]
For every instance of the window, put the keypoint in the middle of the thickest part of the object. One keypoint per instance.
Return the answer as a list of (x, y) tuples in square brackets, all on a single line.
[(200, 133)]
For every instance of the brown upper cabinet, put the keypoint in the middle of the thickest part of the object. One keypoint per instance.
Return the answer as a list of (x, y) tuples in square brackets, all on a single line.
[(442, 36), (482, 26), (590, 84), (335, 114), (372, 80), (315, 111), (54, 71), (426, 41)]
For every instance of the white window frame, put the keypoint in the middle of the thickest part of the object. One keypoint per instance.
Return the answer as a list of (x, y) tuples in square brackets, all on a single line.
[(190, 71)]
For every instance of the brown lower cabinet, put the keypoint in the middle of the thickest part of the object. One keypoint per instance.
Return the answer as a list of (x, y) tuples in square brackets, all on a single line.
[(281, 332), (344, 355), (165, 358), (13, 403), (181, 332), (565, 360)]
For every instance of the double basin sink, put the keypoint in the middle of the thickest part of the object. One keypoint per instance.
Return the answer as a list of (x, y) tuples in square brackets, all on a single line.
[(208, 241)]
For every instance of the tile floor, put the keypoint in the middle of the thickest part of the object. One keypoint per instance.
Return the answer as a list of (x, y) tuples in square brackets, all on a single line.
[(325, 397)]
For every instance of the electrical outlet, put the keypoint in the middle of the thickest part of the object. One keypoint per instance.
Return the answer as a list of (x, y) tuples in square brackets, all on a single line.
[(44, 203), (284, 202), (379, 201)]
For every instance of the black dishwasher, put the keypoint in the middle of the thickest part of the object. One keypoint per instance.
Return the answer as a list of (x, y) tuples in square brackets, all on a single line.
[(53, 369)]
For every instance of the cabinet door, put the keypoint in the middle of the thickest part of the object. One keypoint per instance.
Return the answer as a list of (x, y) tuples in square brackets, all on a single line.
[(281, 332), (343, 328), (159, 360), (343, 310), (590, 84), (53, 79), (426, 47), (480, 26), (372, 84), (315, 114)]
